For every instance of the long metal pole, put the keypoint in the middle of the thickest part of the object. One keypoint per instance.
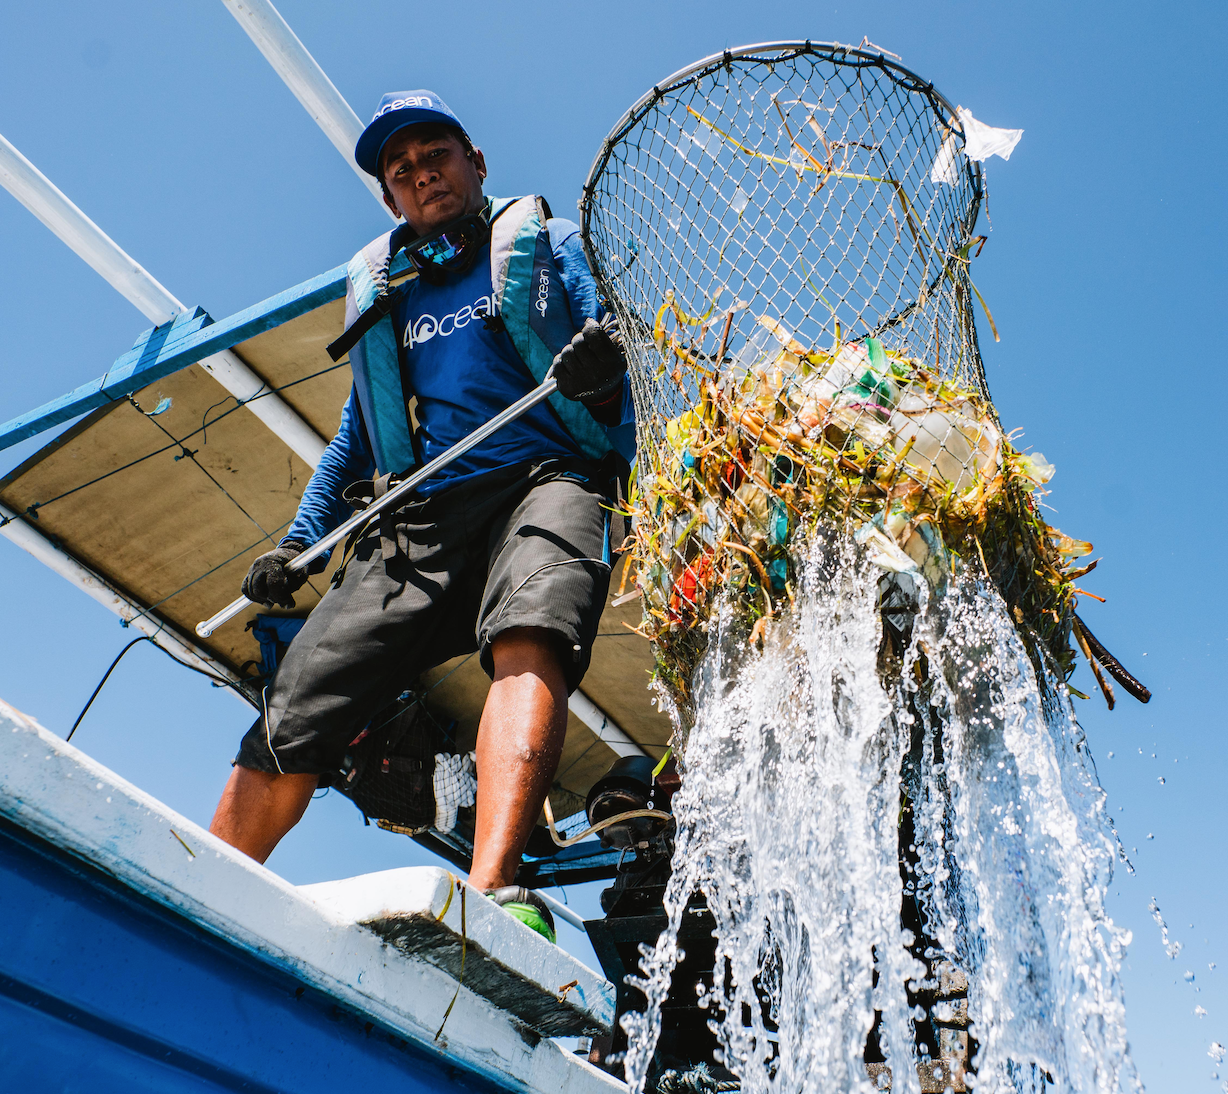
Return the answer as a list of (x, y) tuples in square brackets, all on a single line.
[(561, 909), (120, 270), (604, 728), (306, 79), (31, 541), (401, 490)]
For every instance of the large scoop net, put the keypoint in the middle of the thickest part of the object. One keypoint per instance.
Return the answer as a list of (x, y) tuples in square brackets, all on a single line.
[(784, 232)]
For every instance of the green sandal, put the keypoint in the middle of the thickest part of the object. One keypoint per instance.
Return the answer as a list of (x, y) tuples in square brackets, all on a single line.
[(526, 906)]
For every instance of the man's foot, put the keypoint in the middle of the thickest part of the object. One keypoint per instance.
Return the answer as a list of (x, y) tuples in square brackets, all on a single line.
[(526, 906)]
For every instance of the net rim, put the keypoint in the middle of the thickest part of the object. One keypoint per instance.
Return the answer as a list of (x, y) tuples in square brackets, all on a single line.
[(836, 52)]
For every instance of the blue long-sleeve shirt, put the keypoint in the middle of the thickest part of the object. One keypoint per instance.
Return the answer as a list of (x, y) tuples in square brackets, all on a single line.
[(462, 374)]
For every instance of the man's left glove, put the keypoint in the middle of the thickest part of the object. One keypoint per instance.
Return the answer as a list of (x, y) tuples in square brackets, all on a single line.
[(268, 582), (590, 370)]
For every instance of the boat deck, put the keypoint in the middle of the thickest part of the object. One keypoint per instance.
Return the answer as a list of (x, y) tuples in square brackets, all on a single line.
[(143, 951)]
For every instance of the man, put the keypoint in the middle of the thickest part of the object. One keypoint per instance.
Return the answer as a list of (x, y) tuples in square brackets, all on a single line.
[(506, 551)]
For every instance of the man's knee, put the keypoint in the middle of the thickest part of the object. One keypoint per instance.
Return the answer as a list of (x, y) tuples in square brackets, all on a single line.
[(269, 792), (528, 650), (258, 808)]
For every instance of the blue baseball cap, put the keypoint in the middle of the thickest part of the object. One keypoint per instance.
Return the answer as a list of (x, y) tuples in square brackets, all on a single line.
[(396, 110)]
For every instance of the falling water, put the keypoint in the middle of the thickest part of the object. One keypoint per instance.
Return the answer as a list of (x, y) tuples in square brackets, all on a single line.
[(799, 768)]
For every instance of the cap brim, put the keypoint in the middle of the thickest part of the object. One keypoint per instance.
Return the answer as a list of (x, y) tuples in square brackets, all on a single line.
[(375, 136)]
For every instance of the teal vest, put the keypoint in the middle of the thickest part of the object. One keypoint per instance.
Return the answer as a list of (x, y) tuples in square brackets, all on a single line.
[(528, 295)]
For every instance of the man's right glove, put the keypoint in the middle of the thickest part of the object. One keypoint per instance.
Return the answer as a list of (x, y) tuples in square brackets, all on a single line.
[(268, 582), (590, 370)]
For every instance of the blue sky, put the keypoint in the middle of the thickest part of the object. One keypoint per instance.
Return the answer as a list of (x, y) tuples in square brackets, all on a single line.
[(1104, 270)]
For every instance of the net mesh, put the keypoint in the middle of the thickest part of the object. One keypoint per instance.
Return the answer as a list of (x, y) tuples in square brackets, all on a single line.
[(784, 234)]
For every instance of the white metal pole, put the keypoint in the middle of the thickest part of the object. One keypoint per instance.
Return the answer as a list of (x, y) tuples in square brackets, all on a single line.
[(561, 910), (302, 74), (47, 202), (603, 726), (19, 532)]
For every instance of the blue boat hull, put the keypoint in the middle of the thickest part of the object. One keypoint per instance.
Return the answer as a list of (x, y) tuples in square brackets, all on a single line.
[(104, 990)]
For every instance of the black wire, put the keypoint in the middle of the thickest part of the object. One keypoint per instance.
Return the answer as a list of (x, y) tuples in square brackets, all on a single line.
[(144, 612), (191, 455), (178, 443), (218, 681), (105, 675), (221, 681)]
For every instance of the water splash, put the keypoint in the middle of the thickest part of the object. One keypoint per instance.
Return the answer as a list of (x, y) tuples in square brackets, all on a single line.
[(800, 768), (1173, 947)]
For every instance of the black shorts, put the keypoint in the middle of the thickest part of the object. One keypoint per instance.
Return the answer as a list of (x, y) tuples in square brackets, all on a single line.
[(527, 546)]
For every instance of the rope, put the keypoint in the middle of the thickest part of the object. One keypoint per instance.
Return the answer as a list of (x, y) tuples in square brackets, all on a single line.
[(190, 454), (698, 1080), (182, 588), (464, 946), (630, 814)]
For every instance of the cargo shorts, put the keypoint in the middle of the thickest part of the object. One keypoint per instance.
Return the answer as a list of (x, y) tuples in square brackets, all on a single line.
[(525, 546)]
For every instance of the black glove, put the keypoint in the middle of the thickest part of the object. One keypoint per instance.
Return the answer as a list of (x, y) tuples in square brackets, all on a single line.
[(590, 370), (268, 582)]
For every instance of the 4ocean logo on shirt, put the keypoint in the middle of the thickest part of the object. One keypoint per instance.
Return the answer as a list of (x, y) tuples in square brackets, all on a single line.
[(426, 327), (543, 292)]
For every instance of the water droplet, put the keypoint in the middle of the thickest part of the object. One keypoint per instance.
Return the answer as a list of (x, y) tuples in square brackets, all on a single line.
[(1189, 977), (1111, 755), (1161, 780), (1150, 836), (1216, 1052)]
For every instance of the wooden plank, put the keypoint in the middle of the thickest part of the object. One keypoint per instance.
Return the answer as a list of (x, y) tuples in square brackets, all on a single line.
[(172, 347)]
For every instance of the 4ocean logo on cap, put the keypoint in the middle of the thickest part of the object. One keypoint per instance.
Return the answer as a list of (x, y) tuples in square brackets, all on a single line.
[(401, 104), (426, 327)]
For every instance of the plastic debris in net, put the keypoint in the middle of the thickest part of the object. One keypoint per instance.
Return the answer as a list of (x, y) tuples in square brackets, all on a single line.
[(455, 783), (799, 311), (980, 142), (946, 163)]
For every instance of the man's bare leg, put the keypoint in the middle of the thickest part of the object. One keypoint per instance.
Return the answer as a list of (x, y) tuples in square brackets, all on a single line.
[(520, 739), (257, 809)]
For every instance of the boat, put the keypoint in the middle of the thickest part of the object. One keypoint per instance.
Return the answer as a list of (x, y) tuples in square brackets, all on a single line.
[(141, 951)]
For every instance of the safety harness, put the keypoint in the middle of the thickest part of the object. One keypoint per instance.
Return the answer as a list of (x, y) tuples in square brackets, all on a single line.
[(528, 300)]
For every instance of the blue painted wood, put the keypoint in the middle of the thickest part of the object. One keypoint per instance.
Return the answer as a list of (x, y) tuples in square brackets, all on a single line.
[(153, 344), (586, 861), (101, 989), (166, 349)]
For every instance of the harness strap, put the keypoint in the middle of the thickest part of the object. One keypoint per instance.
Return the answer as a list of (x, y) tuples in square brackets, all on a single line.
[(360, 495), (380, 307), (389, 538)]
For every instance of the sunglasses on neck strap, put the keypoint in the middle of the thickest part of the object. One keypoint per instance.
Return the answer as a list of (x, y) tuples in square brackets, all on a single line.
[(452, 247)]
